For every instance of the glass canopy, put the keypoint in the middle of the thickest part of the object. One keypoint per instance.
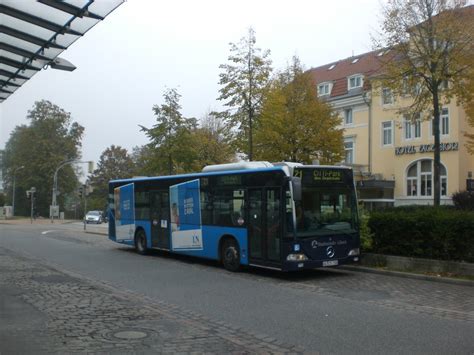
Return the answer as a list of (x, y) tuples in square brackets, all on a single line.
[(34, 33)]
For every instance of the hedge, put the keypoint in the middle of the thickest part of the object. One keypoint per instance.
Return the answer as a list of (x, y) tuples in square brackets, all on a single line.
[(424, 232)]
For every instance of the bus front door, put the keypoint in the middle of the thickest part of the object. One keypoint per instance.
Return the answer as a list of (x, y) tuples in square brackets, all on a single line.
[(160, 219), (264, 225)]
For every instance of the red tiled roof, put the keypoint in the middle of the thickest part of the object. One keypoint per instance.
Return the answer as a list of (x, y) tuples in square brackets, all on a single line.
[(367, 64)]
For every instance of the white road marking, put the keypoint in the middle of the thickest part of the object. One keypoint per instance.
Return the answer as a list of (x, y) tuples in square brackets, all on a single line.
[(46, 232)]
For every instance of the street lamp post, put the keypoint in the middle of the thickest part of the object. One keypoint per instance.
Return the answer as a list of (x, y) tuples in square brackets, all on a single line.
[(54, 204), (55, 187), (14, 188), (31, 193)]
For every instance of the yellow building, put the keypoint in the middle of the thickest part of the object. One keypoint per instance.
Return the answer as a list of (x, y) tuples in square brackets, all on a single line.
[(392, 157)]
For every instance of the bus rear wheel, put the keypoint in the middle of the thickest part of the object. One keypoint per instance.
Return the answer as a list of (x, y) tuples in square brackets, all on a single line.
[(231, 255), (140, 242)]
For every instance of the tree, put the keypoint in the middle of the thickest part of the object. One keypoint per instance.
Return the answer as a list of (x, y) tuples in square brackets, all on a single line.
[(468, 99), (50, 138), (296, 126), (431, 51), (465, 96), (200, 146), (210, 143), (142, 157), (243, 82), (114, 163), (168, 136)]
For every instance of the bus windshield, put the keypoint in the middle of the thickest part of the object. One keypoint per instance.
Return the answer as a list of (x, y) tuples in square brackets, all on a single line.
[(325, 211)]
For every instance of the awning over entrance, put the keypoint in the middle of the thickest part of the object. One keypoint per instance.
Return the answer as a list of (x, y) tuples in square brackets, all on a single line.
[(34, 33)]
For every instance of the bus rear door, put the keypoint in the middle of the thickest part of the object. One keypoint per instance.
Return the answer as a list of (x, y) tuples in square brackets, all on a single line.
[(160, 219)]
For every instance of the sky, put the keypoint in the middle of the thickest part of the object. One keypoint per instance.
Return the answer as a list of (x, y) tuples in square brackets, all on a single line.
[(125, 62)]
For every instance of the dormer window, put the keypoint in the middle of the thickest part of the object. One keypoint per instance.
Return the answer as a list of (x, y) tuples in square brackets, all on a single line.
[(355, 81), (324, 89), (332, 66), (355, 61)]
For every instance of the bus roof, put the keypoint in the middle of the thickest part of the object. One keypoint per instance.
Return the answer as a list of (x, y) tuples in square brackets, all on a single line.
[(285, 168), (201, 174)]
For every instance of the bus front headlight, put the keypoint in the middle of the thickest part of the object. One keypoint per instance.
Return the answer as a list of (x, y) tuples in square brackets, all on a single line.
[(296, 257), (354, 252)]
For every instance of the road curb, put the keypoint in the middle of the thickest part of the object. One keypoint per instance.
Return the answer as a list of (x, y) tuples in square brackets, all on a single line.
[(408, 275), (96, 233)]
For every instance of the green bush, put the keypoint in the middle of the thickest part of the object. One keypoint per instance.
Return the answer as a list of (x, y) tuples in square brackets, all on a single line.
[(366, 236), (422, 231), (464, 200)]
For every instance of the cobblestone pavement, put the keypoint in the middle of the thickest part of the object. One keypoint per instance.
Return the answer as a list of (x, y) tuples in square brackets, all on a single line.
[(69, 314)]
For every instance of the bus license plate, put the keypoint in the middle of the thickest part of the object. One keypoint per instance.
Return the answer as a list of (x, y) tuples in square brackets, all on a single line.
[(330, 263)]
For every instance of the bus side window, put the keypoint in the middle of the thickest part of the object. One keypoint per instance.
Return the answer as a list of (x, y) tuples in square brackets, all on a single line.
[(229, 208), (289, 211), (238, 212), (206, 207), (142, 205)]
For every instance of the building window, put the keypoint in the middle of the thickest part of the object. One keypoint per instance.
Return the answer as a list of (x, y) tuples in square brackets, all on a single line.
[(417, 89), (405, 86), (417, 128), (412, 129), (348, 116), (408, 129), (349, 151), (387, 133), (420, 179), (324, 89), (387, 96), (443, 123), (354, 82), (444, 85)]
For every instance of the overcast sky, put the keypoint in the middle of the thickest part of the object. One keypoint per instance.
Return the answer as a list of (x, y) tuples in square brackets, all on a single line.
[(126, 61)]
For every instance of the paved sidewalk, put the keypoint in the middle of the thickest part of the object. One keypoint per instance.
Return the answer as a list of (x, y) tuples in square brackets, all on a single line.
[(22, 220), (44, 310)]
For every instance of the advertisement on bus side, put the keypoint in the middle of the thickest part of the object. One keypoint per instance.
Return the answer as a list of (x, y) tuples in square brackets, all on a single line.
[(124, 203), (186, 229)]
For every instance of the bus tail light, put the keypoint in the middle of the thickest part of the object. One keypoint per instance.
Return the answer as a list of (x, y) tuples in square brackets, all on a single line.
[(296, 257)]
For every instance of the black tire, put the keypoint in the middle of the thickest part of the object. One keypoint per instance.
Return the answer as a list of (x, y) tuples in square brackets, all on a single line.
[(140, 242), (231, 255)]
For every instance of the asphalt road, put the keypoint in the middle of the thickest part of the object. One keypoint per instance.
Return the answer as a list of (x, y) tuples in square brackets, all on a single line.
[(327, 311)]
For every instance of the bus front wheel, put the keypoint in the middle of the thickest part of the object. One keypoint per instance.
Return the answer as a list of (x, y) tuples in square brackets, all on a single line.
[(231, 255), (140, 242)]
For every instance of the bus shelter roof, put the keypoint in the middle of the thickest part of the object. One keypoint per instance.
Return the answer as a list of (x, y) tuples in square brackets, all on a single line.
[(34, 33)]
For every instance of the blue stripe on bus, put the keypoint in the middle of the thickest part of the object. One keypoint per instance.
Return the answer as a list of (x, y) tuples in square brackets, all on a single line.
[(210, 238)]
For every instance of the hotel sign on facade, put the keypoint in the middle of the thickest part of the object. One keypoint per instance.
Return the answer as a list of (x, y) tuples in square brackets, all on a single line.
[(425, 148)]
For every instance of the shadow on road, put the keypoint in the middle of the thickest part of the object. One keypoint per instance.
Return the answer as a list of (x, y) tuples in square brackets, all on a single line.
[(295, 276)]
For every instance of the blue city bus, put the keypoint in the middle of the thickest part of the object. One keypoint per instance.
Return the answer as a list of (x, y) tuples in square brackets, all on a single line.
[(282, 216)]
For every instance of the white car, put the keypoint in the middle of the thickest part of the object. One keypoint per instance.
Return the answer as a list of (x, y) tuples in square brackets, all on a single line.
[(93, 217)]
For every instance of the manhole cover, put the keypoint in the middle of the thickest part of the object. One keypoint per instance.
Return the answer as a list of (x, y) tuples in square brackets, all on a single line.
[(130, 334)]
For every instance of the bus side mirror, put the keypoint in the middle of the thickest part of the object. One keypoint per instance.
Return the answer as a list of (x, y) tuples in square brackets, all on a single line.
[(297, 192)]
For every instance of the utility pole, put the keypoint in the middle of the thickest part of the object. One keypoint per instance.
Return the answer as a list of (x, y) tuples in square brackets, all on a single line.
[(83, 193), (14, 188), (31, 195)]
